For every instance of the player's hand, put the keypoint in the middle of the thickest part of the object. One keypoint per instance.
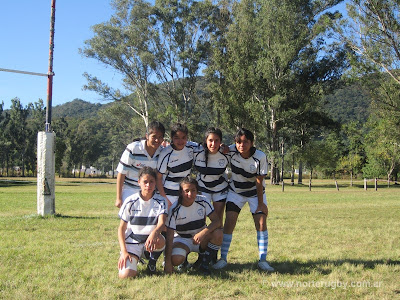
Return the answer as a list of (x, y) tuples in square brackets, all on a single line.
[(199, 237), (262, 208), (151, 242), (118, 203), (124, 257), (224, 148)]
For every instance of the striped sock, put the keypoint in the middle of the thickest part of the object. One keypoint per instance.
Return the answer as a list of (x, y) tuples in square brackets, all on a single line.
[(262, 241), (226, 243), (211, 250)]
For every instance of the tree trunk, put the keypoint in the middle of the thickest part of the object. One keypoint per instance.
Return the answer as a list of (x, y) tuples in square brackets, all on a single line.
[(300, 179)]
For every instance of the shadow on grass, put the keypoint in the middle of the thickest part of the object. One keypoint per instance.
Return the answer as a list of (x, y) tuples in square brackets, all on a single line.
[(324, 267), (60, 216), (12, 183)]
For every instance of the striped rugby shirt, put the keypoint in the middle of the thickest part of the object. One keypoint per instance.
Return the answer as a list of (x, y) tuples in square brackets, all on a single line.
[(211, 178), (187, 221), (245, 170), (133, 159), (141, 216), (175, 165)]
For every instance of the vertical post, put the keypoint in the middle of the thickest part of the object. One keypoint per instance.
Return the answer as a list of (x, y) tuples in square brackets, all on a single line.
[(309, 185), (50, 73), (283, 186), (336, 184), (365, 183), (46, 142), (376, 184)]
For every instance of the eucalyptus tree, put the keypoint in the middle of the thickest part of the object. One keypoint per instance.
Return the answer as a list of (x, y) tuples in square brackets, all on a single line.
[(124, 43), (159, 49), (277, 66)]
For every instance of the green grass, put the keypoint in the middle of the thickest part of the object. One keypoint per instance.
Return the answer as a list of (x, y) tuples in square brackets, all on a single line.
[(319, 241)]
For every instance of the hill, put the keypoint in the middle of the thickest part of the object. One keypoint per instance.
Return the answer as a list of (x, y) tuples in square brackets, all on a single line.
[(77, 108), (348, 104)]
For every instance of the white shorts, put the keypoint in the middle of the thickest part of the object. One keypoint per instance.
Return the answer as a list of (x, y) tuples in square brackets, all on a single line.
[(240, 201), (216, 197), (187, 242), (138, 249)]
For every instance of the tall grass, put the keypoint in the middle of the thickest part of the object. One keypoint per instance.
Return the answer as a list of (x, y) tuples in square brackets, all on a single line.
[(323, 244)]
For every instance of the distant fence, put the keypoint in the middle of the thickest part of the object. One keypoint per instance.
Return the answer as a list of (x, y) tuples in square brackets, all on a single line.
[(375, 181)]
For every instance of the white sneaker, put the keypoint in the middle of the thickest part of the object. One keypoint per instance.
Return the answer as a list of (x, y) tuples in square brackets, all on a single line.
[(220, 264), (263, 265)]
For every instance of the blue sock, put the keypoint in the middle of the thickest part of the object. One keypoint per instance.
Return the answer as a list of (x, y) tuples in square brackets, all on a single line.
[(262, 241), (226, 243)]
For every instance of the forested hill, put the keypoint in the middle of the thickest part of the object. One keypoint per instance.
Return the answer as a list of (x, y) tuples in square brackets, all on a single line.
[(348, 104), (77, 108)]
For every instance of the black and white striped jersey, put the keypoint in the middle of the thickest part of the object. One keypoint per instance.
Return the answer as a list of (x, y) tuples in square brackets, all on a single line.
[(245, 171), (133, 159), (211, 176), (141, 216), (189, 220), (175, 165)]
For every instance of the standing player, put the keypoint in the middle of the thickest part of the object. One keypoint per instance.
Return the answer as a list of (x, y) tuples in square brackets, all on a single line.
[(187, 218), (249, 167), (174, 163), (211, 164), (143, 218), (137, 155)]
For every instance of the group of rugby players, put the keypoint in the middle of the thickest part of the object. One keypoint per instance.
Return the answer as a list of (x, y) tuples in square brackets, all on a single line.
[(164, 209)]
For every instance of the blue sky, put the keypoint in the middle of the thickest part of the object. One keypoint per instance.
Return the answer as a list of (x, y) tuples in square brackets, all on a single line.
[(24, 36)]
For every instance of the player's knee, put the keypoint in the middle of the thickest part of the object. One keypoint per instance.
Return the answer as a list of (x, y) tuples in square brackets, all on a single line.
[(178, 256), (160, 245), (127, 273)]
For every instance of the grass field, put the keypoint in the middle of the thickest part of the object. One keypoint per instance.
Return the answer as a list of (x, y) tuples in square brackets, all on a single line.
[(323, 244)]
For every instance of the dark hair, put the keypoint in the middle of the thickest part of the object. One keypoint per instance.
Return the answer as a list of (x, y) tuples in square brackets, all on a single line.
[(179, 127), (186, 180), (247, 133), (210, 130), (148, 171), (155, 126)]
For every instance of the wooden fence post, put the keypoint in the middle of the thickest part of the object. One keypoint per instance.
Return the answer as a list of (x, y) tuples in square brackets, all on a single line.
[(376, 184), (337, 187), (365, 183)]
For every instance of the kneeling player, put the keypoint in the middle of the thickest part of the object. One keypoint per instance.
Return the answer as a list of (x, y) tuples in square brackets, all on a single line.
[(143, 218), (187, 217)]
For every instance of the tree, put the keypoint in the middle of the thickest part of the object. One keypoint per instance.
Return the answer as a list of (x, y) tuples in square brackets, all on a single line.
[(125, 43), (372, 33), (16, 133), (277, 66)]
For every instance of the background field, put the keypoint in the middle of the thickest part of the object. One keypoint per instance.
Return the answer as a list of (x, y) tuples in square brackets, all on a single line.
[(323, 244)]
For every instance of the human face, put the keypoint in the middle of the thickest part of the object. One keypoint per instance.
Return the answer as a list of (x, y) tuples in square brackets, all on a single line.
[(243, 145), (154, 139), (213, 143), (147, 185), (189, 193), (179, 140)]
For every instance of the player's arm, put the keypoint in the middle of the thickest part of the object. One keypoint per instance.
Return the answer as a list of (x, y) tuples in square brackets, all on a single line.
[(215, 224), (168, 268), (120, 183), (151, 242), (160, 188), (121, 239), (260, 195)]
